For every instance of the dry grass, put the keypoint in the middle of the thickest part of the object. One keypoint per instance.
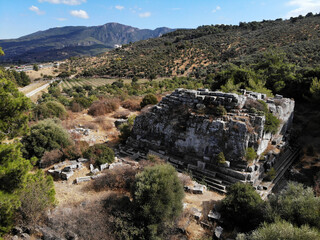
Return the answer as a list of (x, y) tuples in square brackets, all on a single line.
[(132, 104), (104, 106)]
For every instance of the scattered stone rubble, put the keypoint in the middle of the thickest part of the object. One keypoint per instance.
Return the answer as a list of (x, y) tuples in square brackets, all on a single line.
[(179, 130), (65, 170)]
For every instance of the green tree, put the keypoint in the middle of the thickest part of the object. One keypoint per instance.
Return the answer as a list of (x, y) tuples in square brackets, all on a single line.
[(221, 158), (37, 195), (281, 230), (35, 67), (126, 128), (100, 154), (297, 205), (44, 136), (49, 109), (250, 154), (13, 110), (148, 99), (272, 123), (157, 196), (242, 207), (1, 52), (13, 174), (315, 89)]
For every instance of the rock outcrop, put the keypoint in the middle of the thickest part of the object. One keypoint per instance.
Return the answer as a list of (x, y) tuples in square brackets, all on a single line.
[(192, 126)]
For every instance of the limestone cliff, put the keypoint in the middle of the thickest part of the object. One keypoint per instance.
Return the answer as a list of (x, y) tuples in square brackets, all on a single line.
[(185, 123), (190, 128)]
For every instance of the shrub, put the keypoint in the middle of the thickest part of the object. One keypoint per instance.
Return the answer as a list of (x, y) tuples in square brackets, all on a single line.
[(37, 196), (250, 154), (103, 106), (49, 110), (117, 178), (131, 104), (221, 158), (44, 136), (281, 230), (50, 158), (100, 154), (148, 99), (297, 205), (271, 174), (242, 207), (157, 197), (272, 123), (125, 129), (220, 111)]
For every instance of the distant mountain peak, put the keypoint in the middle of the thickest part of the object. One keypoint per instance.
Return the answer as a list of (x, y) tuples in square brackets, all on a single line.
[(63, 42)]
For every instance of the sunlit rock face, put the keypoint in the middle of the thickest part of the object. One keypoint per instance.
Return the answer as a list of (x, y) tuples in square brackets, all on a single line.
[(188, 124)]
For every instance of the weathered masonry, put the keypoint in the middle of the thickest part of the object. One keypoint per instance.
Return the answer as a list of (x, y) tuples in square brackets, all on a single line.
[(190, 128)]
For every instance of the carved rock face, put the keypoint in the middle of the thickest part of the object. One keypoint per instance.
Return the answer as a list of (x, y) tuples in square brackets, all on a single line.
[(187, 122)]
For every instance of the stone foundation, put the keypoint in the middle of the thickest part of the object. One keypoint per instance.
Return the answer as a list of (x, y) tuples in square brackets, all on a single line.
[(185, 126)]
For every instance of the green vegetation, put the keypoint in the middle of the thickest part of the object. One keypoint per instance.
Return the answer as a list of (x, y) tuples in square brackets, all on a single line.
[(297, 205), (148, 99), (250, 154), (100, 154), (281, 230), (46, 135), (271, 124), (49, 109), (221, 158), (126, 128), (157, 197), (271, 174), (37, 196), (35, 67), (13, 107), (243, 207)]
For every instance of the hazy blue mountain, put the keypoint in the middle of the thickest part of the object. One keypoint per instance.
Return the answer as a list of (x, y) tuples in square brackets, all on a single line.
[(63, 42)]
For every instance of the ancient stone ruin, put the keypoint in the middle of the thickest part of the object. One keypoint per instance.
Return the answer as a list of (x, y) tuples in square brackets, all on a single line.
[(190, 128)]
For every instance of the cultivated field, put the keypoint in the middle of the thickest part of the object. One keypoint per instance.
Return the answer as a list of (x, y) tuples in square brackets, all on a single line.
[(94, 82)]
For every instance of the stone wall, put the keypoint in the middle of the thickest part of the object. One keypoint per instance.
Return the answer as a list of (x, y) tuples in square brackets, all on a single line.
[(177, 125)]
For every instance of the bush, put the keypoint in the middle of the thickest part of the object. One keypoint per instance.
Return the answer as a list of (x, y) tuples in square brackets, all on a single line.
[(100, 154), (281, 230), (126, 128), (103, 106), (157, 197), (297, 205), (117, 178), (271, 174), (44, 136), (220, 111), (131, 104), (49, 110), (50, 158), (37, 196), (272, 123), (221, 158), (250, 154), (148, 99), (242, 207)]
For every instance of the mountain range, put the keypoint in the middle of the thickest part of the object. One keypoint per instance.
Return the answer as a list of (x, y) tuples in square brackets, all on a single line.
[(63, 42)]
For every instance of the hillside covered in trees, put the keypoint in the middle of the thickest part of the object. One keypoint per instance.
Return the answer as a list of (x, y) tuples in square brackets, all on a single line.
[(201, 51)]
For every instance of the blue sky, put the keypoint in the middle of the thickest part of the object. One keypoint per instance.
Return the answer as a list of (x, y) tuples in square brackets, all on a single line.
[(22, 17)]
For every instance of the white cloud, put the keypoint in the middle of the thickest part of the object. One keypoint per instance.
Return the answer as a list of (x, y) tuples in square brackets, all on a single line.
[(80, 14), (67, 2), (61, 19), (119, 7), (145, 14), (36, 10), (218, 8), (303, 7)]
